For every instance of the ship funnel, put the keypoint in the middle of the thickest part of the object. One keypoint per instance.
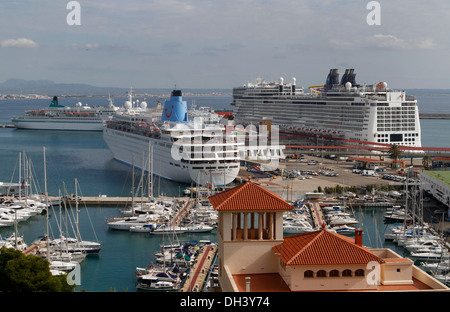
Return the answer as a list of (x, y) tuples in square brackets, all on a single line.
[(175, 109), (349, 76), (352, 77), (55, 103), (332, 79), (344, 79)]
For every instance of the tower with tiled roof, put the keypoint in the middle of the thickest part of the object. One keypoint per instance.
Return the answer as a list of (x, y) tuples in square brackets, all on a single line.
[(250, 225), (253, 255)]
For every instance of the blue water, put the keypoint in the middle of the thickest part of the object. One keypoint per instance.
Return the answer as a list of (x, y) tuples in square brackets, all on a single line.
[(85, 156)]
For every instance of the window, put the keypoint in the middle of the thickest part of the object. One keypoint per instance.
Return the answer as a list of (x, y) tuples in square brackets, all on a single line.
[(359, 272), (322, 273), (334, 273), (347, 273), (308, 274)]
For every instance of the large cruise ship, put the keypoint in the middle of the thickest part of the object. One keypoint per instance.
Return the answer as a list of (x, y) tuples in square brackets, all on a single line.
[(338, 109), (168, 143), (59, 117)]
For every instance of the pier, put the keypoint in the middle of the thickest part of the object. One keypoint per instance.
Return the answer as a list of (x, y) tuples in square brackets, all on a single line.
[(434, 116), (317, 215), (7, 126), (200, 271), (116, 201)]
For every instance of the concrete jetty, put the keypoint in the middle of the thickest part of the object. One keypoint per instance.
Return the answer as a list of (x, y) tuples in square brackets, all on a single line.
[(200, 270)]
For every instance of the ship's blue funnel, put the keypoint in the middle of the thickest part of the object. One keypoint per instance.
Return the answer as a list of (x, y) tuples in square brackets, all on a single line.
[(55, 103), (175, 109)]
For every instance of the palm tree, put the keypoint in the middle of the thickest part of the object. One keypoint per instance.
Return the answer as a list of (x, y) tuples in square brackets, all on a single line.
[(426, 161), (394, 152)]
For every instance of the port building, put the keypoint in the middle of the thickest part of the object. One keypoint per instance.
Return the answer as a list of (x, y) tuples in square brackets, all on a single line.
[(253, 254)]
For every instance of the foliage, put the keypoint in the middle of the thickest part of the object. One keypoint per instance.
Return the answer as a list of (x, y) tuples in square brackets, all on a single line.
[(426, 161), (394, 152), (21, 273), (339, 189)]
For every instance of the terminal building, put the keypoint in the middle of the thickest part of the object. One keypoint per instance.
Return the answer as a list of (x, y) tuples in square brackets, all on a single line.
[(255, 256), (437, 184)]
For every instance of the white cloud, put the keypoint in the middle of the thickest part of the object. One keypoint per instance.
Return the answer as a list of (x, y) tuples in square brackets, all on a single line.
[(384, 42), (19, 43)]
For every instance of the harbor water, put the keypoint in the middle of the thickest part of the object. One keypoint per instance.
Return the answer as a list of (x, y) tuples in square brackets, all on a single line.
[(84, 156)]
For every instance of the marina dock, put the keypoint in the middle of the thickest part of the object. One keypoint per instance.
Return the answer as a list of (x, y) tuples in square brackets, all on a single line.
[(115, 201), (317, 215), (200, 271)]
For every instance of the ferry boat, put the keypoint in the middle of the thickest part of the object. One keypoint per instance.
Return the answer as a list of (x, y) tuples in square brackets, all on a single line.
[(338, 109), (167, 142), (59, 117)]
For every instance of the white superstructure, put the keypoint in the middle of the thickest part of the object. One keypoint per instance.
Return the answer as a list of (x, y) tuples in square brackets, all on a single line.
[(188, 151), (58, 117), (344, 110)]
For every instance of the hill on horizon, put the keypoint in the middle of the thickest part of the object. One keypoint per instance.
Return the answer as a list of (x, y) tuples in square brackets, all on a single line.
[(50, 88)]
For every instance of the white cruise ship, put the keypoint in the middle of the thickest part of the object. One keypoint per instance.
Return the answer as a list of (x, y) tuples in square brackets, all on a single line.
[(189, 151), (338, 109), (59, 117)]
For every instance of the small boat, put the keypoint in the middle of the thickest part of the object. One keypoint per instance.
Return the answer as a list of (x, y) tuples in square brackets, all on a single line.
[(154, 283), (62, 265), (125, 223), (198, 228), (164, 229), (436, 267), (144, 228), (430, 256), (336, 220), (344, 229)]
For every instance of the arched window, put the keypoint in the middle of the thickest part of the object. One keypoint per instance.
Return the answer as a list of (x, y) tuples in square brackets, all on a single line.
[(321, 273), (334, 273), (359, 272), (347, 273), (308, 274)]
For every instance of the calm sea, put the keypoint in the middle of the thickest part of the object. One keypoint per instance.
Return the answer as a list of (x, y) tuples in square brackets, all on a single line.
[(86, 157)]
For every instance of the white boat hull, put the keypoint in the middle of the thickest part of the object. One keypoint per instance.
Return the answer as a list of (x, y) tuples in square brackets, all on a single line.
[(59, 124), (126, 146)]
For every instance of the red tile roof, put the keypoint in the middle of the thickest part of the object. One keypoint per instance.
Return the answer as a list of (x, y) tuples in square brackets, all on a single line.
[(248, 196), (323, 248)]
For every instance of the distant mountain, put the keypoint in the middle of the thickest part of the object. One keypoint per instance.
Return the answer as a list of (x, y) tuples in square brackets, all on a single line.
[(51, 88)]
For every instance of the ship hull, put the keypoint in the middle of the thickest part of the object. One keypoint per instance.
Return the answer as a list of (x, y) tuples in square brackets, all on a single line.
[(61, 124), (133, 149)]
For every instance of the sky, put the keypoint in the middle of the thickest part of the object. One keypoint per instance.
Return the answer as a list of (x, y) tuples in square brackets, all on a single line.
[(224, 44)]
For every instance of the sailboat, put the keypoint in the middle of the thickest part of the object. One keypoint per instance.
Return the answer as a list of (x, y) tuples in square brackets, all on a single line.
[(159, 278)]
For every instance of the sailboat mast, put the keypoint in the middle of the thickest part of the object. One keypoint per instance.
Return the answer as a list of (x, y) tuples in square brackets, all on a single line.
[(46, 203), (76, 211), (132, 190)]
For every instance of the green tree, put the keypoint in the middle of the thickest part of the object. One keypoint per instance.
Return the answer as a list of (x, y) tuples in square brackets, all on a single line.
[(394, 152), (21, 273), (426, 161)]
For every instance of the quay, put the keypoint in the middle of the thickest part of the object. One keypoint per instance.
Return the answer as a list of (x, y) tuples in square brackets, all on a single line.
[(434, 116), (104, 201), (117, 201), (200, 271), (7, 126), (317, 215)]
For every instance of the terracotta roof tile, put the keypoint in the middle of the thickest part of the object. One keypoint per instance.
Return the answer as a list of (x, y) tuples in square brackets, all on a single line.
[(323, 248), (248, 196)]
